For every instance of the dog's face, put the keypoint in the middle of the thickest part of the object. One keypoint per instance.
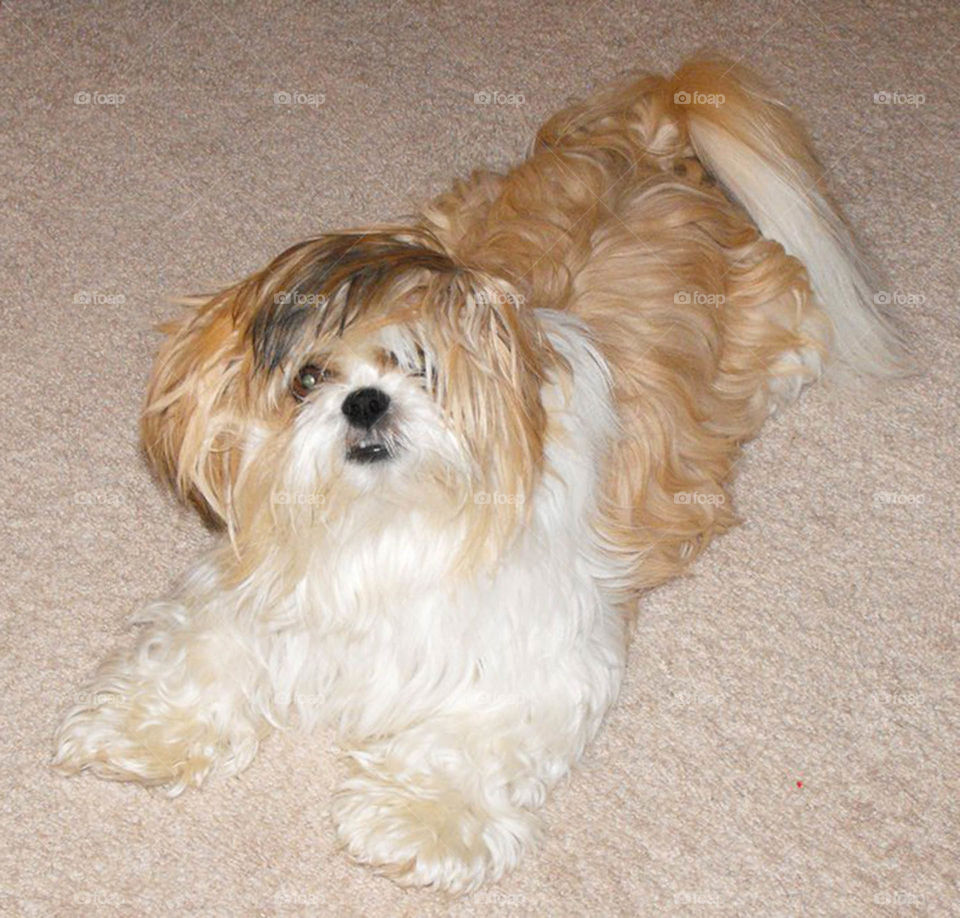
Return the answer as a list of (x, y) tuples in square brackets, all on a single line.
[(355, 371)]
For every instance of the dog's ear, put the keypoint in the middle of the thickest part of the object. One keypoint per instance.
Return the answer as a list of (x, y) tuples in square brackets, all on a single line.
[(492, 361), (195, 412)]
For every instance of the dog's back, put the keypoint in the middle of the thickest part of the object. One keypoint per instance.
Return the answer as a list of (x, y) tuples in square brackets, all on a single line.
[(684, 220)]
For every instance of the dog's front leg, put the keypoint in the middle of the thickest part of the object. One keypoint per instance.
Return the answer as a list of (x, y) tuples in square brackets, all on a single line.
[(181, 704), (449, 802)]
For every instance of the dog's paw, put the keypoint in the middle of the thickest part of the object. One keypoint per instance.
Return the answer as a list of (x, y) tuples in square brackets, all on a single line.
[(129, 737), (428, 834)]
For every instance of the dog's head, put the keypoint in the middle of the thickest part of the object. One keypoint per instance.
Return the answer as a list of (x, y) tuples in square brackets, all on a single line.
[(355, 370)]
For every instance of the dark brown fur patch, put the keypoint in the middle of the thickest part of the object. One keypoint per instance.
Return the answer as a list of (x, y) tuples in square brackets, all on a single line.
[(322, 286)]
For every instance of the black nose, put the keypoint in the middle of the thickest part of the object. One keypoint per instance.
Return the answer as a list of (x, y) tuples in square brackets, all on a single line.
[(363, 407)]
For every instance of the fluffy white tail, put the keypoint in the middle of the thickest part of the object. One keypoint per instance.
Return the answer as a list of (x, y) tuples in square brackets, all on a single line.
[(753, 145)]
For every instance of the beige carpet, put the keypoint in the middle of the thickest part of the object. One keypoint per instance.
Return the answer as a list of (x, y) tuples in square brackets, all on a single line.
[(816, 645)]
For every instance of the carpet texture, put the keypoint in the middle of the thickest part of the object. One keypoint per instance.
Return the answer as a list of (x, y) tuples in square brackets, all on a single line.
[(786, 742)]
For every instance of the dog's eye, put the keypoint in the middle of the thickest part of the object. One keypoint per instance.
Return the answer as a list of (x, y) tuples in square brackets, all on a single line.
[(308, 378), (420, 370)]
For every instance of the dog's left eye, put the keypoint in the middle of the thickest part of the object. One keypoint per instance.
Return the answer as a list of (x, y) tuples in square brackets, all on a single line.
[(420, 370), (417, 370), (307, 379)]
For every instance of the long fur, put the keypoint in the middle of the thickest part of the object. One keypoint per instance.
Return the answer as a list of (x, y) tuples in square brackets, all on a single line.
[(573, 353)]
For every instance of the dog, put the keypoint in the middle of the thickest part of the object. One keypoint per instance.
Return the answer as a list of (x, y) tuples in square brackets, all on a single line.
[(450, 455)]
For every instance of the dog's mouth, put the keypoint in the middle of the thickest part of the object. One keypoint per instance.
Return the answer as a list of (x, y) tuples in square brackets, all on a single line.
[(368, 453)]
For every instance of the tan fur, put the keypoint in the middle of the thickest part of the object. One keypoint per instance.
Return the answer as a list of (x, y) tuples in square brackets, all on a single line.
[(610, 217), (589, 339), (613, 218)]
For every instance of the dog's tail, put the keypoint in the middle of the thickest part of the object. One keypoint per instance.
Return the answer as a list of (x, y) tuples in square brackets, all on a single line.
[(754, 147)]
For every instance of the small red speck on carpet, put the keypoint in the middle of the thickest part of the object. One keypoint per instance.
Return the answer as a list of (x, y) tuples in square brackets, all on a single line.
[(800, 784)]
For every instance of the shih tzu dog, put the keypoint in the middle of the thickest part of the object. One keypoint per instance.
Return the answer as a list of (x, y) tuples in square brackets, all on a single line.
[(450, 455)]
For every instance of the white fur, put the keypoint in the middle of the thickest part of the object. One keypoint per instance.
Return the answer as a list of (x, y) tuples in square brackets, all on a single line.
[(459, 701), (787, 205)]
